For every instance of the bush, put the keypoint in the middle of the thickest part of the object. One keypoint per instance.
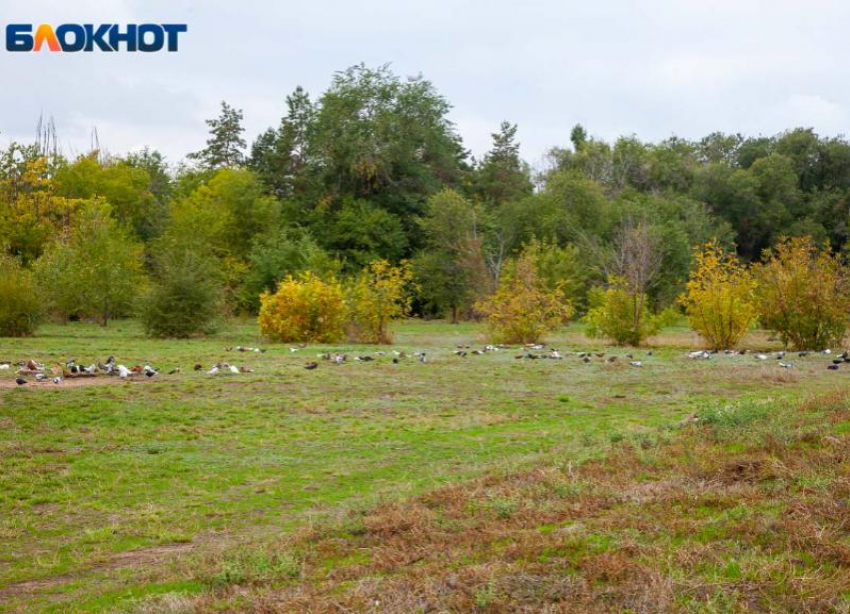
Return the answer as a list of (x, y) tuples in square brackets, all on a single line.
[(20, 304), (620, 315), (275, 255), (523, 310), (96, 270), (803, 294), (304, 309), (719, 301), (376, 297), (186, 297)]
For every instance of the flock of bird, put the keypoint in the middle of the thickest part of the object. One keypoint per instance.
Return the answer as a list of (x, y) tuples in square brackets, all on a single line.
[(71, 370), (781, 356), (537, 351)]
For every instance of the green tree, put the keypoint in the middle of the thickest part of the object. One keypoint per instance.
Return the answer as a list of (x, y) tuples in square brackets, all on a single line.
[(502, 176), (451, 270), (225, 146), (97, 270), (281, 156), (21, 307), (185, 297)]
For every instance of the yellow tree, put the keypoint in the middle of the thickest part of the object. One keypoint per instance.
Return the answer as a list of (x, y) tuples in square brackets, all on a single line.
[(376, 297), (720, 300), (523, 310), (31, 215), (804, 294)]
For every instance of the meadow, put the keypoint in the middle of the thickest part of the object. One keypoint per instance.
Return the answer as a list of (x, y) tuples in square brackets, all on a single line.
[(193, 492)]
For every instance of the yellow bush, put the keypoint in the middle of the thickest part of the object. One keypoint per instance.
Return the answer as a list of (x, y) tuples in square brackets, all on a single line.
[(522, 310), (304, 309), (620, 314), (803, 294), (376, 297), (719, 300)]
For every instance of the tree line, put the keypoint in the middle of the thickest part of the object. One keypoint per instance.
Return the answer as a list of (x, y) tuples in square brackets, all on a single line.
[(373, 170)]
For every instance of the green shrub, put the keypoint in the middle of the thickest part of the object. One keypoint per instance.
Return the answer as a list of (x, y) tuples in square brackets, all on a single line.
[(20, 304), (185, 298), (620, 315)]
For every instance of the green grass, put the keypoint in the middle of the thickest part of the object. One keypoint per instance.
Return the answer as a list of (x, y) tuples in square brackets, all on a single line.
[(89, 473)]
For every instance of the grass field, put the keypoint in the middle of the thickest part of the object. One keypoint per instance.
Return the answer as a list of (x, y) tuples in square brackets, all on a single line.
[(227, 493)]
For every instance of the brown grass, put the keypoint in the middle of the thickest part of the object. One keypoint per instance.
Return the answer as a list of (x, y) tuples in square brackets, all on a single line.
[(750, 518)]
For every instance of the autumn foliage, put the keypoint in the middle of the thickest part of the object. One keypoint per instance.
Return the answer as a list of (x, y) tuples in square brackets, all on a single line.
[(804, 294), (20, 305), (303, 309), (719, 301), (523, 310), (376, 297)]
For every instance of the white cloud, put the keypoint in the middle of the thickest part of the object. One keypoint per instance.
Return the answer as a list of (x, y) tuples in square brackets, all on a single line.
[(654, 68)]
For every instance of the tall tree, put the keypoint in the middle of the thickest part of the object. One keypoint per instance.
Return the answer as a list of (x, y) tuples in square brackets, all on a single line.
[(502, 176), (225, 146), (281, 156)]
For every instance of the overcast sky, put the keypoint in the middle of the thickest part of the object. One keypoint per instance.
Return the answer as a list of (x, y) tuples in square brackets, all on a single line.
[(654, 68)]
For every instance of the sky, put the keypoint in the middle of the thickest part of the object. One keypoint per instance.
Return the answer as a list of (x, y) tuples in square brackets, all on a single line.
[(652, 68)]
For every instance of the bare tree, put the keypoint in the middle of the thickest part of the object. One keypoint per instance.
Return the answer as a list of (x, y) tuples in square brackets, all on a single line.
[(635, 258), (636, 255)]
